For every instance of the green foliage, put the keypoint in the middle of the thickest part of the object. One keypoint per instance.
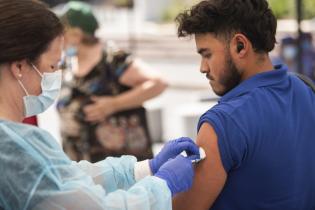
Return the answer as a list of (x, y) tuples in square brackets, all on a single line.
[(287, 8), (309, 9), (175, 7), (123, 3), (281, 8)]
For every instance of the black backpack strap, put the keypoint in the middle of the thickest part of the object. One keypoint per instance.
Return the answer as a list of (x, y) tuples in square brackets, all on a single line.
[(306, 80)]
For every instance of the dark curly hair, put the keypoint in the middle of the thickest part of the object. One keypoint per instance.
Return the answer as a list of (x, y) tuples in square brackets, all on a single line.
[(224, 18)]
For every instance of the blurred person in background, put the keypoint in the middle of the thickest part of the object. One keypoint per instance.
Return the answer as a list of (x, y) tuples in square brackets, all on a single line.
[(308, 55), (288, 55), (100, 109)]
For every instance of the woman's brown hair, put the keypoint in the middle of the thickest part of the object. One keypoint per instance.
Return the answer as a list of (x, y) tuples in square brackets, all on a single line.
[(27, 27)]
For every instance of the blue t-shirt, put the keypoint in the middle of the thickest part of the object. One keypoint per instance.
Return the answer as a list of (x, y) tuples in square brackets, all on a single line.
[(266, 137)]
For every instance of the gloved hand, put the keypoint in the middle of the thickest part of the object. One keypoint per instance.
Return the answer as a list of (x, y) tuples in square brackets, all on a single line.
[(172, 149), (178, 174)]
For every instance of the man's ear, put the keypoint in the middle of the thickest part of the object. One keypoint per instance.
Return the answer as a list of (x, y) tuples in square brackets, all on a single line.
[(240, 45)]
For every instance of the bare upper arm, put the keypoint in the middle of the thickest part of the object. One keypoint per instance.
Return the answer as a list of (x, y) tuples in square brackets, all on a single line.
[(210, 175), (136, 74)]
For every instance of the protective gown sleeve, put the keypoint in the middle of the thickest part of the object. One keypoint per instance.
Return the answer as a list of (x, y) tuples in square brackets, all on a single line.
[(116, 189), (37, 175), (115, 173), (149, 193)]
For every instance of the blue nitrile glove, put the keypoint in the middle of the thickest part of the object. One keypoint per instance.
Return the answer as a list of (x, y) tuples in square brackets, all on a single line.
[(173, 148), (178, 174)]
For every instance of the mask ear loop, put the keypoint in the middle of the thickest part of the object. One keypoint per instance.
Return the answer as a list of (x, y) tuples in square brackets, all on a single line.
[(21, 84), (36, 69)]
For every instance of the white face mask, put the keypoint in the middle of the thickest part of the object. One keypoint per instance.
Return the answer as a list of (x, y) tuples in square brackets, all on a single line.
[(50, 84), (289, 52)]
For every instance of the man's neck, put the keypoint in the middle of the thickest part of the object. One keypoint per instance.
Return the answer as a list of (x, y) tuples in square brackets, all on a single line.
[(258, 64)]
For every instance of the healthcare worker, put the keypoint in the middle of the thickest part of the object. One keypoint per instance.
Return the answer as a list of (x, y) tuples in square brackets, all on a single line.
[(35, 172)]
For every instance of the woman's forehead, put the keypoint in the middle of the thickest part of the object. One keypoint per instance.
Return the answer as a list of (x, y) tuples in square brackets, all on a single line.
[(54, 51)]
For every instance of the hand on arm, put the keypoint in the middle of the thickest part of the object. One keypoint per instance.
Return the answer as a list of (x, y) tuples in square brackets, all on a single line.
[(178, 174), (172, 149), (210, 175), (176, 170), (144, 87), (100, 108)]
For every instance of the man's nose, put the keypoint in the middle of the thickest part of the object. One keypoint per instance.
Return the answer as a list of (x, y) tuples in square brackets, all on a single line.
[(204, 67)]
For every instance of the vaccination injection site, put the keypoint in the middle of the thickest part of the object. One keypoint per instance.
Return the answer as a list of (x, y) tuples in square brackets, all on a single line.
[(157, 104)]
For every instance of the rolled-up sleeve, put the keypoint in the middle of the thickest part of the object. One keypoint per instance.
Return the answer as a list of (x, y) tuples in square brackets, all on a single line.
[(232, 141)]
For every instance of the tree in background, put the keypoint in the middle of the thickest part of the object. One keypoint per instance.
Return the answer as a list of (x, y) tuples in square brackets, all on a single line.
[(286, 8), (177, 6), (282, 8), (309, 8), (124, 3)]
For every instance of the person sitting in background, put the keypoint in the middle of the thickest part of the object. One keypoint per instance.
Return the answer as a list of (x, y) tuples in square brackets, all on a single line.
[(101, 101)]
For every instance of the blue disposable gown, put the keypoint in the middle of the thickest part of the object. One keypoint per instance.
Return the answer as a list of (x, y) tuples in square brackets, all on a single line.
[(36, 174)]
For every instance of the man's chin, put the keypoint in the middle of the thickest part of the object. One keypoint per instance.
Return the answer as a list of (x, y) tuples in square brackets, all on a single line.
[(218, 92)]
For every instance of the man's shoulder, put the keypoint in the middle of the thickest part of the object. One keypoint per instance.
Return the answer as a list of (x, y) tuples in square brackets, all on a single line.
[(241, 111), (240, 103)]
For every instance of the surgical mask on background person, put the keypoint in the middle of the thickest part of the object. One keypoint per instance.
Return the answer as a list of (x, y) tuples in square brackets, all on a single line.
[(70, 63), (289, 52), (50, 84), (307, 45)]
